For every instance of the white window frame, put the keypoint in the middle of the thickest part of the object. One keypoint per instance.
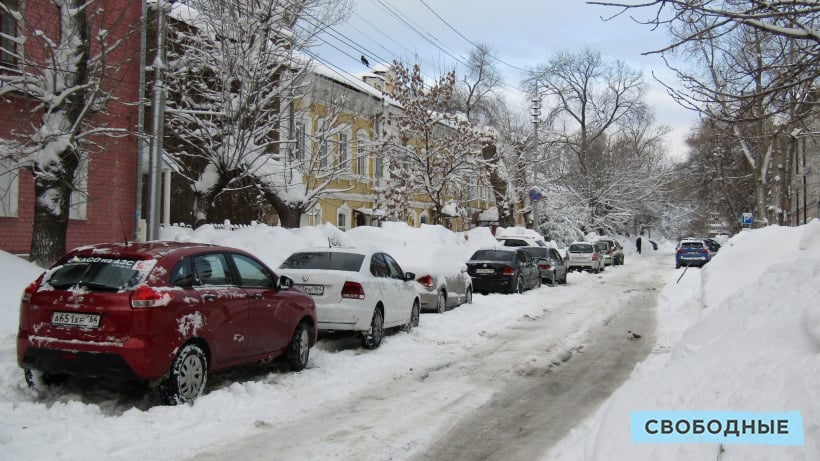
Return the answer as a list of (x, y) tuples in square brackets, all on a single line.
[(362, 157)]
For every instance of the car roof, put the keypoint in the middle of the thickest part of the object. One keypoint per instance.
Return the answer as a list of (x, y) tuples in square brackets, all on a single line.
[(152, 249), (337, 249)]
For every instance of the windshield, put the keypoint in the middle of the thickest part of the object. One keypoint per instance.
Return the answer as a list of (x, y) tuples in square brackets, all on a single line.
[(100, 274), (327, 260)]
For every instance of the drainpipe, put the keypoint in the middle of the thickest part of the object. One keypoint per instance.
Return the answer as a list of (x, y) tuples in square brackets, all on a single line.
[(141, 117)]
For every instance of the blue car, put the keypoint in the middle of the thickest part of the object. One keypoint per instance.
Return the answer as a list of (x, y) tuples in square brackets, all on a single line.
[(692, 252)]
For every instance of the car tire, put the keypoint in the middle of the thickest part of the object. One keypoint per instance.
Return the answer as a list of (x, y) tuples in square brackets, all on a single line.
[(414, 317), (519, 285), (372, 338), (35, 379), (441, 302), (299, 348), (468, 296), (187, 378), (538, 282)]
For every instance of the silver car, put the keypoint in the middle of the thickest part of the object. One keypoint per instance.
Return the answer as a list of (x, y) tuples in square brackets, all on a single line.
[(552, 266), (445, 291), (584, 256)]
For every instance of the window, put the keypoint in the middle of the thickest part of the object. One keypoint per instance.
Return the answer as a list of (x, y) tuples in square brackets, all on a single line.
[(8, 188), (342, 158), (361, 157), (8, 27), (341, 221), (378, 169), (212, 269), (299, 141), (79, 197), (251, 273), (322, 154)]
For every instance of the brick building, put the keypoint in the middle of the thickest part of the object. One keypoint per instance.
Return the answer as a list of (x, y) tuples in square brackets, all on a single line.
[(103, 206)]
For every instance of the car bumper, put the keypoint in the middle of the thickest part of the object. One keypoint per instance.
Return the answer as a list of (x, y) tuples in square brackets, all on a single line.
[(346, 316), (129, 359), (493, 285)]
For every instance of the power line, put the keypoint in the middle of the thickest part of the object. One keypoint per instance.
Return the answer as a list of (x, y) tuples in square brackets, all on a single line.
[(468, 40)]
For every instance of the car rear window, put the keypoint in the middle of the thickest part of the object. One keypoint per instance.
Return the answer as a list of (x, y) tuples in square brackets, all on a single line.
[(691, 245), (492, 255), (535, 252), (514, 242), (580, 248), (327, 260), (100, 274)]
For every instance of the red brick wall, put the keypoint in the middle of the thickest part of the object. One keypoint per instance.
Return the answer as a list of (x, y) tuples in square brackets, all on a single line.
[(112, 171)]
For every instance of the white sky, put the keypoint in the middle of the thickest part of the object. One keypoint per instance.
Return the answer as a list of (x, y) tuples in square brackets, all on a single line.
[(523, 34), (742, 334)]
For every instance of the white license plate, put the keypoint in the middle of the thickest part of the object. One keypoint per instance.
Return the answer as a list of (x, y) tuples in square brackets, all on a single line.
[(314, 290), (76, 320), (485, 271)]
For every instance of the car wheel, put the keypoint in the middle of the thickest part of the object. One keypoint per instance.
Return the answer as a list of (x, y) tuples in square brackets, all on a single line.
[(519, 285), (677, 266), (441, 302), (299, 349), (189, 373), (35, 378), (414, 317), (373, 337), (538, 282), (468, 296)]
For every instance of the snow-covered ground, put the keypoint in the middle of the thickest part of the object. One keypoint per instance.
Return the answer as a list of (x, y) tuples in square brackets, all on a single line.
[(743, 334)]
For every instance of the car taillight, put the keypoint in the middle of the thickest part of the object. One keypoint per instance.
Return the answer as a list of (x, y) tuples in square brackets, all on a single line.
[(30, 289), (594, 256), (508, 271), (427, 281), (544, 266), (704, 251), (680, 251), (145, 296), (353, 290)]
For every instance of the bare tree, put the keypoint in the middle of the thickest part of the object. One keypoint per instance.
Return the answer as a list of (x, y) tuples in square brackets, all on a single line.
[(750, 65), (65, 72), (605, 147), (232, 72), (480, 83), (433, 149)]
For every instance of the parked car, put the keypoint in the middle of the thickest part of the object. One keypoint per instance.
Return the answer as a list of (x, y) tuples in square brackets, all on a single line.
[(552, 266), (444, 291), (584, 256), (166, 313), (692, 252), (614, 254), (521, 241), (713, 245), (503, 269), (364, 291)]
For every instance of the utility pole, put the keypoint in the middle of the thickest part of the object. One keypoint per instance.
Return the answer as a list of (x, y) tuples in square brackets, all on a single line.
[(158, 119), (535, 112)]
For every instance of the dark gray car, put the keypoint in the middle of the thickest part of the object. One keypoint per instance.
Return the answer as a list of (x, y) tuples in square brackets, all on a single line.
[(552, 266)]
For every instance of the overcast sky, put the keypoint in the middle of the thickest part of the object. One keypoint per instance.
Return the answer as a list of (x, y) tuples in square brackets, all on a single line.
[(523, 34)]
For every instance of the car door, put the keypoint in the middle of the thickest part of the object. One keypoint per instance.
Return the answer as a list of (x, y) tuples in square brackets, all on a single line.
[(558, 263), (402, 292), (272, 319), (528, 268), (225, 307)]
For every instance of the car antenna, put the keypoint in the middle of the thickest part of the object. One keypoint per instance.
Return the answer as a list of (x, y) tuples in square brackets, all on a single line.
[(124, 235)]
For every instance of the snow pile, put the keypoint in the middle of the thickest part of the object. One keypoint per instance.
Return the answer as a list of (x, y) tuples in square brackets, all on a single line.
[(752, 345)]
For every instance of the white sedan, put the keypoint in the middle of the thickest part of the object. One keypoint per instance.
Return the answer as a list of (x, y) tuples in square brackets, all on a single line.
[(357, 290)]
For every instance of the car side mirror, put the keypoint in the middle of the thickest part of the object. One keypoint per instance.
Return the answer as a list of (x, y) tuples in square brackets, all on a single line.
[(285, 282)]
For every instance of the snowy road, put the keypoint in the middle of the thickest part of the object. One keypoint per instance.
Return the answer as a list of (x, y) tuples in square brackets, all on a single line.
[(509, 397)]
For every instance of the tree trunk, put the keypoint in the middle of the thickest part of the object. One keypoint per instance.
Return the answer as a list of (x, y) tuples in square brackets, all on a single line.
[(290, 214), (52, 192)]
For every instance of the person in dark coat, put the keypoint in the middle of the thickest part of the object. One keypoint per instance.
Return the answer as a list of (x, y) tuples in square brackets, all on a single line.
[(638, 245)]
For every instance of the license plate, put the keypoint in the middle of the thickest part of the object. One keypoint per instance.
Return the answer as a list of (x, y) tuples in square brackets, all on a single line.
[(76, 320), (314, 290), (485, 271)]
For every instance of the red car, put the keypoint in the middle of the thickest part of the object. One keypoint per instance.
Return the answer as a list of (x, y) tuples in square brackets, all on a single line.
[(165, 313)]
